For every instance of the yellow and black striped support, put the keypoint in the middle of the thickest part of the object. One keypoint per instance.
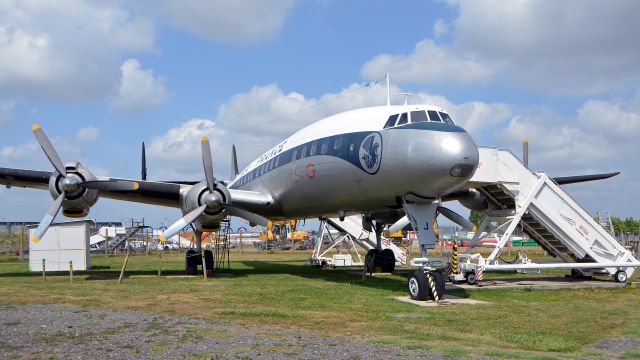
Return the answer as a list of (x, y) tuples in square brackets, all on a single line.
[(432, 285), (454, 258)]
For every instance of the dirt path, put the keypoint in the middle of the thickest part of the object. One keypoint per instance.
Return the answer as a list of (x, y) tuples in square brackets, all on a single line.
[(52, 331)]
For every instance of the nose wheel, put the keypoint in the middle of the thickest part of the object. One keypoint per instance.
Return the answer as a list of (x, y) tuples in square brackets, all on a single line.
[(421, 288)]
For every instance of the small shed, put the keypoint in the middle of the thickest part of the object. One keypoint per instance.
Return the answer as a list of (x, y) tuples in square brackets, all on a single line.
[(63, 242)]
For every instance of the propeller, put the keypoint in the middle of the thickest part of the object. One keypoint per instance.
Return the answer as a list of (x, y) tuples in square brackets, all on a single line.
[(212, 200), (70, 184), (446, 212)]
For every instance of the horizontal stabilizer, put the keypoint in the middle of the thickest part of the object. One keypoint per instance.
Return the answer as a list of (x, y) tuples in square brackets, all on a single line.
[(564, 180)]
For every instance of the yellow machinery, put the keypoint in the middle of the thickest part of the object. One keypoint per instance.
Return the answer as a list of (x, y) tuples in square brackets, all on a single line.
[(283, 236)]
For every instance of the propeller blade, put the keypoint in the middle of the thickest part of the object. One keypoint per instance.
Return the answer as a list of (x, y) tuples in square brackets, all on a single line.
[(234, 162), (48, 218), (111, 185), (207, 163), (180, 224), (456, 218), (48, 149), (399, 225), (245, 214)]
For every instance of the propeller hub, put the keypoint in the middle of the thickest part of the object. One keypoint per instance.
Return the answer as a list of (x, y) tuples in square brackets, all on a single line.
[(70, 183), (212, 201)]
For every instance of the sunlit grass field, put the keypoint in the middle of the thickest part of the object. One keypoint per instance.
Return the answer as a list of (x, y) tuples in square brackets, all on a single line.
[(268, 291)]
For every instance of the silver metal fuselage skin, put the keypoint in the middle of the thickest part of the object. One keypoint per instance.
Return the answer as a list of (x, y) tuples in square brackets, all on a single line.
[(415, 161)]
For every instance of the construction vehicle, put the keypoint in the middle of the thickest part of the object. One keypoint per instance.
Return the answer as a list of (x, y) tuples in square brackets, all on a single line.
[(282, 235)]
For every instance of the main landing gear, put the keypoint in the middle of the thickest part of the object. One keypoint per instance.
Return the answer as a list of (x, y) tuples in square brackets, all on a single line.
[(193, 258)]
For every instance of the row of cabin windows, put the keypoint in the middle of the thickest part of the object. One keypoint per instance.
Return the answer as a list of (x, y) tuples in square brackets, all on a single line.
[(416, 117), (313, 148)]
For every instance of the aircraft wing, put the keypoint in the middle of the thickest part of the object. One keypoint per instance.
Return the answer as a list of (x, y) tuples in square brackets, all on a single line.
[(149, 192)]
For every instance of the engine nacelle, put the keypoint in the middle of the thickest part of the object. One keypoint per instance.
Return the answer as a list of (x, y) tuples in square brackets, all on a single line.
[(474, 200), (78, 200), (212, 216)]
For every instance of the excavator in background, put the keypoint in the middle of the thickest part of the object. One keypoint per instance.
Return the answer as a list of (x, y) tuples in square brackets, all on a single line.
[(282, 235)]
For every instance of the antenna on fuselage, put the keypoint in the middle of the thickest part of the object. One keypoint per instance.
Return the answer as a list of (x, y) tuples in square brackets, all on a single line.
[(388, 90), (406, 96)]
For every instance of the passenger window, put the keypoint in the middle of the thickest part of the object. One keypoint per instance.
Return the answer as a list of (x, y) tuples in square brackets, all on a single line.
[(303, 153), (419, 116), (337, 143), (277, 161), (391, 121), (314, 145), (351, 147), (294, 157), (324, 147), (433, 115), (446, 118), (404, 118)]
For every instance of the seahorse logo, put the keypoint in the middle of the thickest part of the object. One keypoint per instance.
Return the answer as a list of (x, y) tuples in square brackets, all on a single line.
[(371, 153)]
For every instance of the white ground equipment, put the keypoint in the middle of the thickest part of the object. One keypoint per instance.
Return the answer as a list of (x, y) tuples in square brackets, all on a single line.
[(549, 215), (62, 243), (351, 233)]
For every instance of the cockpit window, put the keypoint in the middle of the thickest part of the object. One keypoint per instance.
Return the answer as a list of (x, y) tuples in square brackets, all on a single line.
[(391, 121), (419, 116), (446, 118), (404, 118), (433, 115)]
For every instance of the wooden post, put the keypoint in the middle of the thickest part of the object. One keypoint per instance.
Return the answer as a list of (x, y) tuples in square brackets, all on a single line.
[(146, 241), (159, 267), (71, 271), (204, 265), (21, 244), (44, 276), (106, 245), (240, 232), (124, 266)]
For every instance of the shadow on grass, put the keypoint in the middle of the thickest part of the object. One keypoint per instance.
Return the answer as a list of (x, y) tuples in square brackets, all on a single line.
[(391, 282)]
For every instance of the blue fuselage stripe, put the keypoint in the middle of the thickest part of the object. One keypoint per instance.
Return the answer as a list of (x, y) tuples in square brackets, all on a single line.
[(343, 146)]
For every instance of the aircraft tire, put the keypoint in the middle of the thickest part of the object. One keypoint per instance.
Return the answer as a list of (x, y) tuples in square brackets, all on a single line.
[(388, 260), (208, 259), (191, 263), (418, 286), (373, 260)]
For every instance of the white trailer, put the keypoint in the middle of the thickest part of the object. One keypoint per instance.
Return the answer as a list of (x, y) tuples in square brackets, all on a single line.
[(62, 243)]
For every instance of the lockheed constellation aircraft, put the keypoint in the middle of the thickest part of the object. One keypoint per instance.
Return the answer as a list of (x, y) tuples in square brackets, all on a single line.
[(393, 164)]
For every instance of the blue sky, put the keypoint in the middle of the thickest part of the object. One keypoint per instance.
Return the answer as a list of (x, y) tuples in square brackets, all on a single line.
[(101, 77)]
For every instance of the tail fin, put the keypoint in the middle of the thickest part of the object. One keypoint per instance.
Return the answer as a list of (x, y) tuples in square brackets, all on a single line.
[(234, 162)]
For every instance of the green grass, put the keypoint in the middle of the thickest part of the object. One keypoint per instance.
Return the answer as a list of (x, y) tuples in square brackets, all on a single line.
[(270, 291)]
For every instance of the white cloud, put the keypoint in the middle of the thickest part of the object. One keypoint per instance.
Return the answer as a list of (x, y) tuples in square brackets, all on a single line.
[(139, 88), (87, 134), (440, 28), (66, 50), (569, 47), (238, 21), (428, 63)]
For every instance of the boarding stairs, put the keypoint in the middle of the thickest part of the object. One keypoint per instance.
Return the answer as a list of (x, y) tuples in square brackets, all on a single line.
[(547, 213), (120, 239), (352, 233)]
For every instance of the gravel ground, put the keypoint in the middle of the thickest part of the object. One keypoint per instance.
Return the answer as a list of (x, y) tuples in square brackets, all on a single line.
[(52, 331)]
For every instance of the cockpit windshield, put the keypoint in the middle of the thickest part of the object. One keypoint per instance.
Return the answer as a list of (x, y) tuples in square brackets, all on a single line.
[(417, 117)]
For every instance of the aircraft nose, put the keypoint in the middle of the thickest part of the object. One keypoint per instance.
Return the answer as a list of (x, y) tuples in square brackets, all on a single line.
[(461, 153)]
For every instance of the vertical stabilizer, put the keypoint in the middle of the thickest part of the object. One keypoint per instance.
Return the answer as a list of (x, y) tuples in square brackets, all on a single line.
[(234, 162), (143, 172)]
